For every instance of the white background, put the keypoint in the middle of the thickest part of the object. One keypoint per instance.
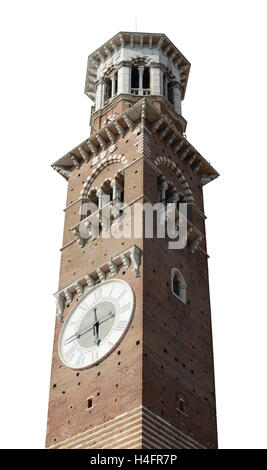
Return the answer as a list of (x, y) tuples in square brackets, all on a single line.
[(44, 114)]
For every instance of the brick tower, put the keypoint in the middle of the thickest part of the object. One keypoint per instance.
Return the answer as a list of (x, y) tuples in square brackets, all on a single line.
[(132, 360)]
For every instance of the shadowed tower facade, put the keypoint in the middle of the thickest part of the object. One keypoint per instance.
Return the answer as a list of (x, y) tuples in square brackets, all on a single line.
[(132, 362)]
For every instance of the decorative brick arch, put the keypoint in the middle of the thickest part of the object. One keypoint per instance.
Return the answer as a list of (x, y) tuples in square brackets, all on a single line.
[(165, 161), (104, 162)]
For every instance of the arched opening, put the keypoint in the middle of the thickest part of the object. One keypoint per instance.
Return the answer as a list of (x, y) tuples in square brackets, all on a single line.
[(90, 205), (146, 79), (134, 80), (178, 285), (107, 90), (170, 92), (140, 80)]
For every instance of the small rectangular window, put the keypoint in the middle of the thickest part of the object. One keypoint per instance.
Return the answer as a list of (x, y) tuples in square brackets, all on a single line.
[(90, 402)]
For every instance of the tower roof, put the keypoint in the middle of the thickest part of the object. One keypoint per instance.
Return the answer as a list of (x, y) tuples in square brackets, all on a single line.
[(131, 40)]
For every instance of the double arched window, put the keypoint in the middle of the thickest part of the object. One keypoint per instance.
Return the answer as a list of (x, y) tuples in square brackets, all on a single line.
[(140, 80), (178, 285), (110, 86)]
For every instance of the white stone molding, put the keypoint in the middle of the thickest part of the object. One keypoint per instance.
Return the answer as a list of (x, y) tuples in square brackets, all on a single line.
[(92, 147), (79, 239), (191, 159), (104, 56), (78, 288), (83, 154), (75, 161), (104, 162), (119, 128), (110, 135), (142, 111), (122, 39), (164, 132), (204, 179), (125, 261), (89, 280), (157, 124), (184, 153), (161, 40), (197, 167), (101, 56), (60, 306), (130, 256), (101, 274), (107, 51), (128, 121), (136, 261), (179, 145), (170, 139), (164, 161), (112, 148), (194, 244), (62, 171), (113, 268), (114, 46), (102, 142)]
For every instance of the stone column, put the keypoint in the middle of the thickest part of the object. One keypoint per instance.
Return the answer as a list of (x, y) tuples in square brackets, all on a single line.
[(163, 188), (104, 87), (114, 186), (140, 85), (177, 98), (98, 98), (99, 194), (124, 76), (165, 91), (113, 84), (155, 80)]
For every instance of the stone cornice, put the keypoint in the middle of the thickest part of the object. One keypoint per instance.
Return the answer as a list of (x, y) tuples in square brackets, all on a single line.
[(140, 40), (162, 126), (130, 256)]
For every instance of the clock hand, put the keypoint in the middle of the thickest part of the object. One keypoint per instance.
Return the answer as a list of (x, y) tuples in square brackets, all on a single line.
[(96, 329), (87, 328), (95, 323), (102, 320)]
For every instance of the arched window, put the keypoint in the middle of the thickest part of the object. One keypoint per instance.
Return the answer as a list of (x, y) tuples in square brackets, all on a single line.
[(140, 80), (107, 90), (146, 79), (89, 206), (170, 92), (134, 80), (178, 285), (111, 87)]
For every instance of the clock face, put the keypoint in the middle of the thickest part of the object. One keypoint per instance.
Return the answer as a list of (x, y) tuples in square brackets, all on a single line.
[(96, 324)]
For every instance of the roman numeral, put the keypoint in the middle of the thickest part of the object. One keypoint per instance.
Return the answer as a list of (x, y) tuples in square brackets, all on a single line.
[(80, 359), (121, 294), (110, 344), (94, 356), (98, 294), (111, 290), (70, 353), (125, 307), (71, 323), (120, 325)]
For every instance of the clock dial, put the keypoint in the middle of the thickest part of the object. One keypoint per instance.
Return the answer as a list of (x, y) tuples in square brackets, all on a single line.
[(96, 324)]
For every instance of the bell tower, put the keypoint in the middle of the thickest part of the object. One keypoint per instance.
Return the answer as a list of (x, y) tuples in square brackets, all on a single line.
[(132, 364)]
